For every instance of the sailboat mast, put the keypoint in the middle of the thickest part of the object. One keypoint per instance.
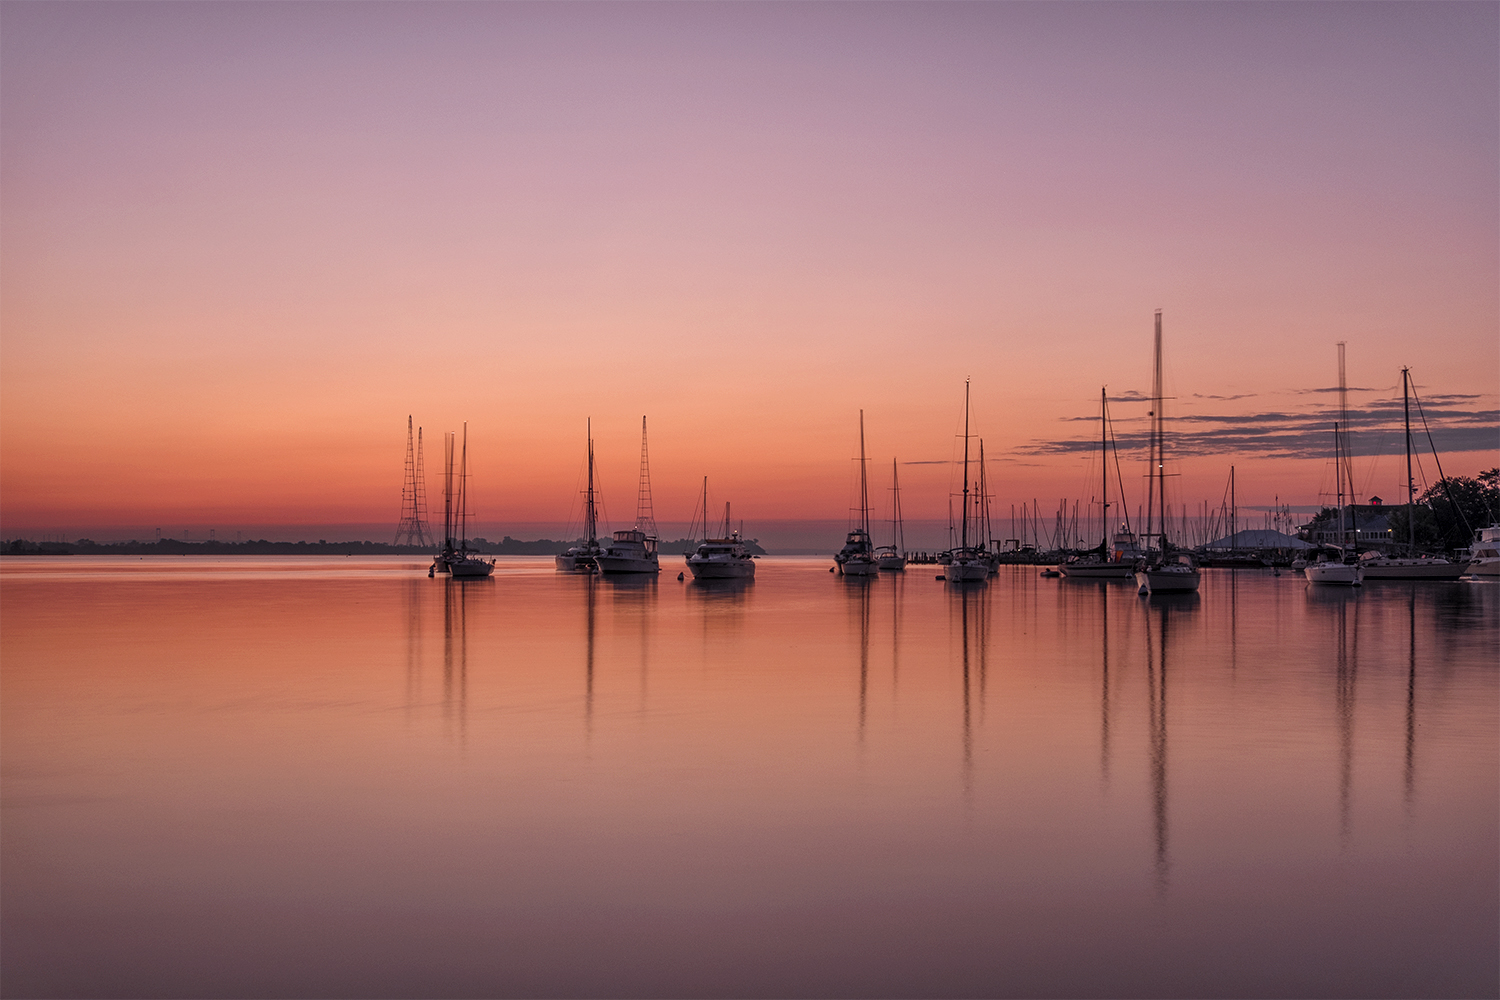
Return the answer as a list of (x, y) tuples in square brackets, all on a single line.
[(864, 492), (963, 530), (1234, 515), (900, 538), (1411, 510), (448, 489), (645, 513), (1156, 488), (590, 518), (1338, 481), (1104, 463), (463, 491)]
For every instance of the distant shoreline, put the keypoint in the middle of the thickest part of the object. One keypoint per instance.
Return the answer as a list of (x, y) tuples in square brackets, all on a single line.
[(261, 547)]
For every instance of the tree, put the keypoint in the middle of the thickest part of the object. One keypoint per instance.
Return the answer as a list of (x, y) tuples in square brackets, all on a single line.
[(1450, 511)]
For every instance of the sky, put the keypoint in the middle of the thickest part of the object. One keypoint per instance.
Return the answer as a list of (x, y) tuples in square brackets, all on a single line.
[(241, 243)]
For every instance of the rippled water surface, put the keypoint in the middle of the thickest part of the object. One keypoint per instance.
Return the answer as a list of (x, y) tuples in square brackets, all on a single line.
[(338, 777)]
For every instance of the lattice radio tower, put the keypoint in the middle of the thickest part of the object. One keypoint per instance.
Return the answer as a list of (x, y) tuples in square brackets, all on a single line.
[(413, 527)]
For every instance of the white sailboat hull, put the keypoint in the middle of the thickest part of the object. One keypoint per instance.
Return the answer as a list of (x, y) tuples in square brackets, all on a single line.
[(1099, 571), (722, 569), (968, 570), (1337, 574), (893, 564), (1168, 580), (859, 566)]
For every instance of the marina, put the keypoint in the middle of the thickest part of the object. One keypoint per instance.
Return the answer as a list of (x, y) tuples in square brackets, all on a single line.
[(542, 782)]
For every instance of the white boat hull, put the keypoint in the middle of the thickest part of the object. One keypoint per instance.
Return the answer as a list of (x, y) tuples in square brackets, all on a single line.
[(627, 564), (722, 569), (1168, 581), (471, 568), (859, 566), (1484, 567), (893, 564), (1335, 574), (963, 571)]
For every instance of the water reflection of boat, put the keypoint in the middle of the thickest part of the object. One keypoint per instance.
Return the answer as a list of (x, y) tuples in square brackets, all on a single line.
[(1161, 570), (857, 557), (580, 558), (633, 550)]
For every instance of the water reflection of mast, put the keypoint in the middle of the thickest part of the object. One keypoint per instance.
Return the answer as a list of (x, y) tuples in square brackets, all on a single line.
[(1156, 682), (1104, 695), (413, 642), (588, 697), (1411, 694), (864, 651), (1348, 656), (968, 744), (455, 640)]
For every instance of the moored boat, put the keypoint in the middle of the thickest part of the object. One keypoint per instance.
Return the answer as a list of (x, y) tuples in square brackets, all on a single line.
[(456, 558), (967, 563), (892, 557), (722, 558), (1485, 557), (633, 550), (857, 557), (580, 558), (1160, 570)]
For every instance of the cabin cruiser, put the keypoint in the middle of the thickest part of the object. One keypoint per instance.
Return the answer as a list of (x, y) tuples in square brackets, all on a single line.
[(857, 557), (722, 559), (631, 551), (1485, 560)]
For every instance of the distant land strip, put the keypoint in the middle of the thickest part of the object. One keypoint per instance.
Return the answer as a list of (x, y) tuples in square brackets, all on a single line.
[(507, 546)]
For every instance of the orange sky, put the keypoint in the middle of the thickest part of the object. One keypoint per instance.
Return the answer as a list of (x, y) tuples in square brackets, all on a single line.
[(241, 244)]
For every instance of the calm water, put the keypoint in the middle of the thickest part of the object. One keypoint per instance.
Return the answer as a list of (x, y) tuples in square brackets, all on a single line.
[(340, 777)]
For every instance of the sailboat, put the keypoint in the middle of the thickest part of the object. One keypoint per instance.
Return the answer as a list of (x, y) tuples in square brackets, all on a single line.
[(857, 557), (969, 562), (1411, 566), (1159, 571), (892, 557), (633, 550), (722, 558), (580, 558), (459, 559), (1117, 554), (1345, 570)]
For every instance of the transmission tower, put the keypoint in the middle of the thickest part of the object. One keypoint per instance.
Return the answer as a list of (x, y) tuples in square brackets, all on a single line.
[(413, 527)]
